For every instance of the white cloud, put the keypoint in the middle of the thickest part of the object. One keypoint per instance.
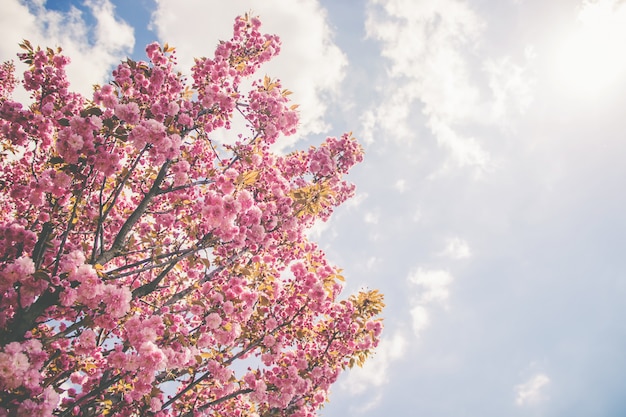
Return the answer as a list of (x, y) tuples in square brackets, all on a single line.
[(588, 58), (417, 215), (424, 44), (532, 391), (93, 51), (371, 217), (400, 185), (511, 86), (368, 121), (464, 151), (316, 231), (405, 23), (391, 116), (309, 64), (456, 248), (375, 372), (374, 236), (420, 319), (433, 285), (432, 290), (372, 262), (431, 47), (357, 200), (368, 405)]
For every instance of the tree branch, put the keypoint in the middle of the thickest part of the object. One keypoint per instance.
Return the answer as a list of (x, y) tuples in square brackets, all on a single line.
[(219, 400), (185, 186), (148, 287), (118, 243), (181, 294), (112, 273), (42, 242)]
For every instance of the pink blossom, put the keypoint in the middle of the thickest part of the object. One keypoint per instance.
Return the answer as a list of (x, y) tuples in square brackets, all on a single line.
[(269, 340), (271, 323), (151, 357), (78, 378), (86, 342), (17, 271), (260, 392), (117, 300), (71, 261), (204, 340), (228, 307), (219, 372), (155, 404), (128, 112), (172, 108), (12, 369), (159, 258), (68, 296), (147, 132), (32, 379), (140, 331), (213, 321)]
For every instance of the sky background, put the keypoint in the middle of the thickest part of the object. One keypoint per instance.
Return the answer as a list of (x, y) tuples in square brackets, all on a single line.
[(490, 206)]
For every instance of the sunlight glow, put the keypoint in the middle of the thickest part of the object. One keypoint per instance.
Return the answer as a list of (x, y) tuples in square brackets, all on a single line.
[(591, 58)]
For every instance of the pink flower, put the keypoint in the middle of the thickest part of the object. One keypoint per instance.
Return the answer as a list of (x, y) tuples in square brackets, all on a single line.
[(140, 331), (68, 296), (117, 359), (269, 340), (260, 392), (78, 378), (204, 340), (128, 112), (117, 300), (86, 343), (21, 268), (155, 404), (72, 261), (172, 108), (153, 50), (85, 274), (271, 323), (228, 307), (213, 321), (75, 142), (32, 379), (219, 372), (147, 132), (144, 187), (151, 357)]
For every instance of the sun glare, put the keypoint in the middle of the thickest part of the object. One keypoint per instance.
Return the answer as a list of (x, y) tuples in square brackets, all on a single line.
[(591, 58)]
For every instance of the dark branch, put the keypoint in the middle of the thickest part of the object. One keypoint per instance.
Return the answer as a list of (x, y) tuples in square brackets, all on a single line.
[(118, 243)]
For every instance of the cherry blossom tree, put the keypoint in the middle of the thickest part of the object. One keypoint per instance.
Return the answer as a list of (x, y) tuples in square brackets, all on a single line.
[(147, 270)]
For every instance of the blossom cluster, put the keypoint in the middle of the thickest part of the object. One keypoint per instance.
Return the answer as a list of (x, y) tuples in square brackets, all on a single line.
[(7, 74), (142, 263)]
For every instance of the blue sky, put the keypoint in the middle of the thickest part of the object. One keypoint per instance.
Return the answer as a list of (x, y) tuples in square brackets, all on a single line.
[(490, 207)]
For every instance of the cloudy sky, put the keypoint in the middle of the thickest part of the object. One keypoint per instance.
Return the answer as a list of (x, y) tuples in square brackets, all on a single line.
[(491, 203)]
